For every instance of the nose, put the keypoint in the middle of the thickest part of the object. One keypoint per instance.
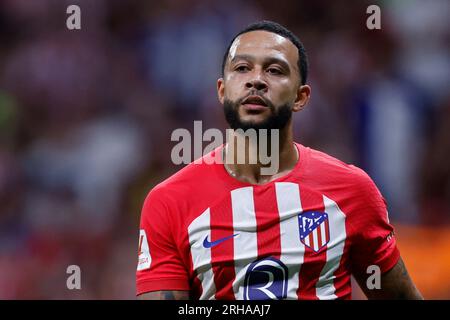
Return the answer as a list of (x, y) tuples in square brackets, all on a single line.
[(256, 82)]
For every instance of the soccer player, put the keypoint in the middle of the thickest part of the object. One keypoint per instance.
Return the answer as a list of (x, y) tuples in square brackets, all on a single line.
[(227, 231)]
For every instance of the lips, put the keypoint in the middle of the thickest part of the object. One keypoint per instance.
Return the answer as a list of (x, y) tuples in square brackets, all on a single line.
[(254, 103), (254, 100)]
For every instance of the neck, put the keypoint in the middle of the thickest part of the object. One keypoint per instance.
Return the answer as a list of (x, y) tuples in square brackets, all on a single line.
[(260, 159)]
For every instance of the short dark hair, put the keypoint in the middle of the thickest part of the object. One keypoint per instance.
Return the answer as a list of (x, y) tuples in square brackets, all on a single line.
[(276, 28)]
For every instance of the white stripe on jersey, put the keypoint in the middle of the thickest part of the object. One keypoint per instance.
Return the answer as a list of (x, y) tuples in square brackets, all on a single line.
[(325, 289), (292, 249), (315, 240), (201, 257), (307, 241), (245, 243)]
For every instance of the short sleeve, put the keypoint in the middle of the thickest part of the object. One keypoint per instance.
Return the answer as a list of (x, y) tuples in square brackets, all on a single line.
[(373, 240), (160, 266)]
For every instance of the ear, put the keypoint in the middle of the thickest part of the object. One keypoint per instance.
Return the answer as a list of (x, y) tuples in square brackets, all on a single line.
[(302, 98), (221, 90)]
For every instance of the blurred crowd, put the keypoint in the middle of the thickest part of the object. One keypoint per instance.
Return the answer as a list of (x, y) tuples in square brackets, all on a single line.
[(86, 117)]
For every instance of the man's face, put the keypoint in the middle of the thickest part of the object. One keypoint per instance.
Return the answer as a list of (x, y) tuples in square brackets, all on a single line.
[(261, 81)]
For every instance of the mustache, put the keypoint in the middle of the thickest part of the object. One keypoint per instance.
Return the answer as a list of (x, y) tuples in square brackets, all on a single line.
[(256, 93)]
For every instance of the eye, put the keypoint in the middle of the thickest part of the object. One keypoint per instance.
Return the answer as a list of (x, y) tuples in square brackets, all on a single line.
[(241, 68), (274, 71)]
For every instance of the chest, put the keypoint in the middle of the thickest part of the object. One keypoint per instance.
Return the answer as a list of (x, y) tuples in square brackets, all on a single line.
[(285, 223)]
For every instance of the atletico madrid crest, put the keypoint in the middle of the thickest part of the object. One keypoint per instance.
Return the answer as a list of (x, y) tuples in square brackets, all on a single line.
[(314, 229)]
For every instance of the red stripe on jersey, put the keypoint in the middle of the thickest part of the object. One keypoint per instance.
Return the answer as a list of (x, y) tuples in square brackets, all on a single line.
[(196, 286), (268, 224), (319, 236), (313, 261), (311, 240), (222, 254)]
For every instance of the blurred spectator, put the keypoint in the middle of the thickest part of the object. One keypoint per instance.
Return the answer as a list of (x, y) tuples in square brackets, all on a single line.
[(435, 173)]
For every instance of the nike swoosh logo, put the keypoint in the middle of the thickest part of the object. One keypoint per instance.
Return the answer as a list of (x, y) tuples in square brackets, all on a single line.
[(208, 244)]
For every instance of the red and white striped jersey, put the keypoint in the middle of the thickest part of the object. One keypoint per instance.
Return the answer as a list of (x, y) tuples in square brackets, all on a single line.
[(300, 236)]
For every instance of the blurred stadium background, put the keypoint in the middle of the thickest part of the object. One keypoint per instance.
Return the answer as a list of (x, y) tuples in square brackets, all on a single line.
[(86, 118)]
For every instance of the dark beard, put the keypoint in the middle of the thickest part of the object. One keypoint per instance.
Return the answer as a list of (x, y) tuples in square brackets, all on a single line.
[(278, 119)]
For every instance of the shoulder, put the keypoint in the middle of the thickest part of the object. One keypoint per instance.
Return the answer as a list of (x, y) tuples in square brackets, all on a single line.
[(184, 183), (331, 172), (320, 162)]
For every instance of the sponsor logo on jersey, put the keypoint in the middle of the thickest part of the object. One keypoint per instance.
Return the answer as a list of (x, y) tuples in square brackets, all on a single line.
[(266, 279), (211, 244)]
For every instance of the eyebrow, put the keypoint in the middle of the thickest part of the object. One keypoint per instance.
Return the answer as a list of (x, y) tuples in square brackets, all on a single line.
[(269, 60)]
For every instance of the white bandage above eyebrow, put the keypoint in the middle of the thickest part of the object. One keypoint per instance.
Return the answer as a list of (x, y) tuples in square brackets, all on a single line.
[(233, 48)]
